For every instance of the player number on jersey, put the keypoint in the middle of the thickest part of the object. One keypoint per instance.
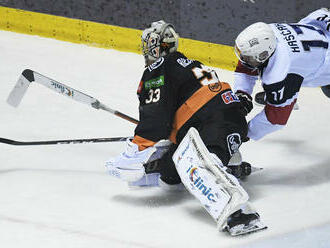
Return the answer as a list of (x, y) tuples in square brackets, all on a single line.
[(278, 95), (154, 96), (205, 75), (307, 44)]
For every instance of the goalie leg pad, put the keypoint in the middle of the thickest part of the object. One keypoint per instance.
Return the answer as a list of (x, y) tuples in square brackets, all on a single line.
[(129, 165), (203, 176), (148, 180), (200, 182)]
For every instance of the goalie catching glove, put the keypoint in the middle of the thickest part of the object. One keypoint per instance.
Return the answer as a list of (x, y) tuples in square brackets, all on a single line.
[(128, 166)]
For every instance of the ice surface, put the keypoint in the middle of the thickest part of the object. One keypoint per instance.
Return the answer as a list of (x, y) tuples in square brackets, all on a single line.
[(61, 196)]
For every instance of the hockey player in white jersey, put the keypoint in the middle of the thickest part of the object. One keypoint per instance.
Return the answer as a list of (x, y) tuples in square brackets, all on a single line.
[(285, 57)]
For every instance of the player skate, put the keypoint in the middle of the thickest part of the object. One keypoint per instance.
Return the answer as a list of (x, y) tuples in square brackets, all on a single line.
[(238, 168)]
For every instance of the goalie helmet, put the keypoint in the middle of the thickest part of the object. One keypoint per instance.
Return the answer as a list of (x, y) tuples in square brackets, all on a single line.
[(255, 44), (158, 40)]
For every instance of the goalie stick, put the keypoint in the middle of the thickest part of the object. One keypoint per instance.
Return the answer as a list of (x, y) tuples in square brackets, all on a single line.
[(56, 142), (28, 76)]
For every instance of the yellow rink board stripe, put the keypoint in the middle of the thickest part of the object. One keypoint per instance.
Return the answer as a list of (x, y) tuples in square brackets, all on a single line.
[(106, 36)]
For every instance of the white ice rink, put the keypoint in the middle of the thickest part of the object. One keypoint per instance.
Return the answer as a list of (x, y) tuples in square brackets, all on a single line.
[(61, 196)]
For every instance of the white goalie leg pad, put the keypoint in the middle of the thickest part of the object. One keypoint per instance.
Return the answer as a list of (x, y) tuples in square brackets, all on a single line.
[(219, 192), (148, 180), (202, 184), (153, 180), (128, 165)]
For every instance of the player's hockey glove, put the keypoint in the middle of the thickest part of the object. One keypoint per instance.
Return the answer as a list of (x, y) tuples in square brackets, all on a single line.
[(128, 166), (246, 101), (260, 98)]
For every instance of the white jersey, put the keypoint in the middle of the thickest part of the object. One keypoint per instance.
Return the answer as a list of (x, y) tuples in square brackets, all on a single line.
[(301, 59)]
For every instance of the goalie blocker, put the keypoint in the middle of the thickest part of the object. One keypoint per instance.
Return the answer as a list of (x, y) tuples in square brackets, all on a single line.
[(220, 193)]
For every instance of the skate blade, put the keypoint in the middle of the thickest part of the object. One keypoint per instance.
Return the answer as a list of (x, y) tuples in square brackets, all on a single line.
[(255, 169), (244, 230)]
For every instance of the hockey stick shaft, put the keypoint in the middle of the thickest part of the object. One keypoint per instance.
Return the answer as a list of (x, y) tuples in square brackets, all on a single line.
[(61, 142), (28, 76)]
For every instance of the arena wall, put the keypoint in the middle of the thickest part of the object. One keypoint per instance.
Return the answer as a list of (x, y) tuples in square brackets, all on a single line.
[(207, 28)]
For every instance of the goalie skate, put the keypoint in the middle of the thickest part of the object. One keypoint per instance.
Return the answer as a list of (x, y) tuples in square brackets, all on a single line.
[(240, 223), (243, 170)]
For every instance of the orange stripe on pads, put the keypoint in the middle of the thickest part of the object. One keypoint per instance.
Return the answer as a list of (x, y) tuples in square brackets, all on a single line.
[(194, 103), (142, 142)]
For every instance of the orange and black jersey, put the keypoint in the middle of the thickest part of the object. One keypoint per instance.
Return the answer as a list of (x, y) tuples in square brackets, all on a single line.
[(176, 93)]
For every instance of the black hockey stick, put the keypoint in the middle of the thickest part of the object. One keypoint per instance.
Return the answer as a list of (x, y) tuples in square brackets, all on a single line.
[(28, 76), (57, 142)]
